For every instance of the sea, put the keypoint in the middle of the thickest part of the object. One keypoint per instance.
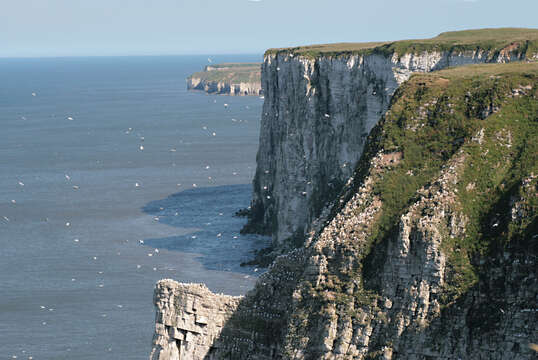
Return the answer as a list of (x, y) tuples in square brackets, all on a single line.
[(113, 176)]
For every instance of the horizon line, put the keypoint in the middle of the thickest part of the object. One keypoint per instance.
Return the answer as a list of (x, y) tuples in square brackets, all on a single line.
[(124, 55)]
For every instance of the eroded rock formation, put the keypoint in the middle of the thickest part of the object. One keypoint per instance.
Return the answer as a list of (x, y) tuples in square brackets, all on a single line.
[(189, 320)]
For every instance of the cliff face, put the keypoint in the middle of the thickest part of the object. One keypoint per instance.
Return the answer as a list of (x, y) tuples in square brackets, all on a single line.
[(224, 87), (189, 320), (317, 114), (430, 249), (426, 242)]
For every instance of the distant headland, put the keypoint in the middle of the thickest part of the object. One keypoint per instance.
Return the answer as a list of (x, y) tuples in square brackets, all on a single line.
[(228, 79)]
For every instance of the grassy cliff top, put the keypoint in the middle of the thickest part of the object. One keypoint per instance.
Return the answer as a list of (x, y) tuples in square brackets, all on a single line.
[(487, 39), (528, 69), (234, 66), (231, 72)]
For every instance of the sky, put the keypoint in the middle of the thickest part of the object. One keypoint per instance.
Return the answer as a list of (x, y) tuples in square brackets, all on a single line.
[(35, 28)]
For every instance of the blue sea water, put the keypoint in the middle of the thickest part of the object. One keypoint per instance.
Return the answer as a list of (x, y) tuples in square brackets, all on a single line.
[(113, 176)]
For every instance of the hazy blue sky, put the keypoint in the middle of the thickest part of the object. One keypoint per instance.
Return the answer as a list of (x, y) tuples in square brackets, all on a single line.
[(125, 27)]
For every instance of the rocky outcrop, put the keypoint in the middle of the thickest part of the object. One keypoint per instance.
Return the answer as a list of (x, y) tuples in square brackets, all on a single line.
[(189, 320), (428, 252), (317, 114)]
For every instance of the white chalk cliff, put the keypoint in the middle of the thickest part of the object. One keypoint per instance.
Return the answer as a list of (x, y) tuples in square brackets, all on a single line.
[(224, 87), (316, 117)]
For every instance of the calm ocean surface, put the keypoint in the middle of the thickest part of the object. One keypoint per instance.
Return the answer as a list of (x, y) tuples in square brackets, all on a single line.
[(95, 210)]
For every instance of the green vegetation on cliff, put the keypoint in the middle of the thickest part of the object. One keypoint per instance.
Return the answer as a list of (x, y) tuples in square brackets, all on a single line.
[(454, 162), (490, 114), (232, 73), (519, 40), (453, 166)]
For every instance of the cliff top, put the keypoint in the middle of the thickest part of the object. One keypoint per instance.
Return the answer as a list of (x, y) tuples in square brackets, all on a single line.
[(199, 289), (230, 72), (236, 66), (487, 39), (529, 69)]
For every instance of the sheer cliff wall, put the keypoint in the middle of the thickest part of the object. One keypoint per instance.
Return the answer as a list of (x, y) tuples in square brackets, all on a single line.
[(317, 114)]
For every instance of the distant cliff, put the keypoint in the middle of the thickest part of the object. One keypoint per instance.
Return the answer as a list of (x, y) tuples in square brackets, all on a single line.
[(426, 244), (228, 79)]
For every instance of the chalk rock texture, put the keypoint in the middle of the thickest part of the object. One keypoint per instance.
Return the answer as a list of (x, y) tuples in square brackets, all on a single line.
[(316, 117)]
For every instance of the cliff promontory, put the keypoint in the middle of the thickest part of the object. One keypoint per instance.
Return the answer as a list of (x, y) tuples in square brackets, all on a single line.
[(228, 79), (321, 102), (427, 250)]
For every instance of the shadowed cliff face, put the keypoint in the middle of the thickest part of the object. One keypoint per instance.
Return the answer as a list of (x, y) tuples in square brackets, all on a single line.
[(317, 114), (429, 250)]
